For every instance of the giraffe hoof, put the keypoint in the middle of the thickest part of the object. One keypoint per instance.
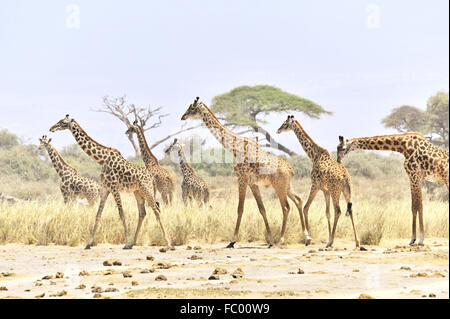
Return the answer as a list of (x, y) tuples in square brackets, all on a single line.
[(270, 245), (127, 247), (420, 244), (411, 243), (230, 245), (87, 247), (307, 241)]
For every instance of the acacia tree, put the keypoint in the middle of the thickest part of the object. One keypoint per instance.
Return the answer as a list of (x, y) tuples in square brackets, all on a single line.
[(433, 121), (245, 106), (128, 113)]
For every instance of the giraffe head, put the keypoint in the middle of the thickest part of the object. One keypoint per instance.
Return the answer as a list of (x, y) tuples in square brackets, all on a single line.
[(289, 124), (133, 129), (343, 148), (64, 124), (174, 146), (194, 111), (44, 142)]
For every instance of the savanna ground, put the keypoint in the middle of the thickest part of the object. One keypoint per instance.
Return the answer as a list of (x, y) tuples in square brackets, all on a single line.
[(42, 256)]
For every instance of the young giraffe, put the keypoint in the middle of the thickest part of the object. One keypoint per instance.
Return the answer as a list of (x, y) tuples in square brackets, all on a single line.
[(423, 161), (193, 186), (164, 181), (72, 184), (254, 167), (327, 175), (117, 175)]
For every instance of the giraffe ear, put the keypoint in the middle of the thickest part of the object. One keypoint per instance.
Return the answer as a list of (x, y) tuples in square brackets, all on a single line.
[(196, 100), (135, 122), (341, 139), (49, 140)]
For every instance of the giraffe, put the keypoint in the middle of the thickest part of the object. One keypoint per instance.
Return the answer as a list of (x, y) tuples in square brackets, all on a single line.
[(164, 181), (118, 175), (327, 175), (423, 161), (253, 168), (72, 184), (193, 186)]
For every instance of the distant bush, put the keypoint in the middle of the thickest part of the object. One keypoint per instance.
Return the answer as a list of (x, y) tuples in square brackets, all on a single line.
[(77, 158), (302, 165), (371, 165), (8, 140), (23, 161)]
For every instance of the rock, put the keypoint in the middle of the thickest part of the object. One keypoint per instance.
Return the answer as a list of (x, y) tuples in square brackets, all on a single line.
[(163, 250), (38, 284), (195, 257), (162, 265), (150, 257), (8, 199), (97, 289), (59, 275), (432, 295), (197, 248), (83, 273), (107, 263), (40, 296), (220, 271), (59, 294), (213, 277), (300, 271), (117, 263), (98, 296), (134, 283), (48, 277), (127, 274), (311, 251), (81, 286), (365, 296), (3, 288), (161, 278), (238, 273), (437, 274), (111, 290), (405, 268), (419, 274), (355, 270), (188, 248)]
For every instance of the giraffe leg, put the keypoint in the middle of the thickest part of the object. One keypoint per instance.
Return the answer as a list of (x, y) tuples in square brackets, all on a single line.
[(312, 194), (298, 202), (141, 208), (282, 192), (418, 207), (242, 191), (156, 210), (103, 197), (416, 203), (327, 210), (118, 201), (262, 211), (347, 196), (337, 214)]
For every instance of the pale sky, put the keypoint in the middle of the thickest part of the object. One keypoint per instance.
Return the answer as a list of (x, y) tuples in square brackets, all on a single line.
[(358, 59)]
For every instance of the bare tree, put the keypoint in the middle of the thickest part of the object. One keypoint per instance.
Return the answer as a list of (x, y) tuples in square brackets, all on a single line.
[(128, 113)]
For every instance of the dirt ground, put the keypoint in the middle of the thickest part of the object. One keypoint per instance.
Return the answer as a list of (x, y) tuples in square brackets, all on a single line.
[(392, 270)]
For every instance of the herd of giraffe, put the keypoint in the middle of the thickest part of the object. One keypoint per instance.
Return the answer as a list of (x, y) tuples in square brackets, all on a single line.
[(254, 168)]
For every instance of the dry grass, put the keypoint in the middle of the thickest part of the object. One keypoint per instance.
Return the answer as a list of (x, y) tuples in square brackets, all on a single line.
[(382, 211)]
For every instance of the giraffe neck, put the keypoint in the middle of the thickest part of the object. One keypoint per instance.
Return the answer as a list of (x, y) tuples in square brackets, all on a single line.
[(93, 149), (58, 162), (400, 143), (147, 156), (186, 168), (309, 146), (242, 148)]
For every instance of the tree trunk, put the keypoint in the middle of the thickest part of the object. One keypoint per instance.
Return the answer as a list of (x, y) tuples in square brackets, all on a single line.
[(136, 149), (272, 143)]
